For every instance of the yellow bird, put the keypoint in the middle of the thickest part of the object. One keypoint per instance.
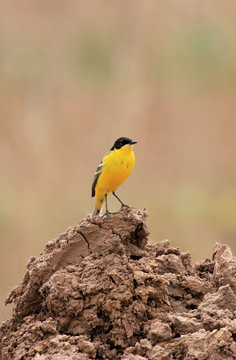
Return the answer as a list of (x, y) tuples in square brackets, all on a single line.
[(114, 169)]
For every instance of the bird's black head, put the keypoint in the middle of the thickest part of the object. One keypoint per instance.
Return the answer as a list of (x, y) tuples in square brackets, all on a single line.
[(122, 141)]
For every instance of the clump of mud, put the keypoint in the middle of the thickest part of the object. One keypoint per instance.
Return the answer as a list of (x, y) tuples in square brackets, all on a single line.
[(102, 291)]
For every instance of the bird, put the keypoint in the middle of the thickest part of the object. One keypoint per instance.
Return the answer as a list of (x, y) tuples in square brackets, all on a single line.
[(113, 170)]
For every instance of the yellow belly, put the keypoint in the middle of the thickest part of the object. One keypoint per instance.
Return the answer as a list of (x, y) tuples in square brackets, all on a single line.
[(118, 165)]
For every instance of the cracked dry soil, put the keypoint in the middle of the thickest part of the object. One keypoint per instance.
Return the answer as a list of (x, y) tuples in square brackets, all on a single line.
[(102, 291)]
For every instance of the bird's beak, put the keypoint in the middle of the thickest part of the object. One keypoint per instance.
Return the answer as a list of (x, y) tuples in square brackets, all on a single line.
[(133, 142)]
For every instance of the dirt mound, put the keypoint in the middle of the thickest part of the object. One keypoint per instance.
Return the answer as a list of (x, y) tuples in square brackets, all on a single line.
[(102, 291)]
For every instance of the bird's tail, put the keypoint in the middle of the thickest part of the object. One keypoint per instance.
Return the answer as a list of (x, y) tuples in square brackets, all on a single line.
[(94, 212)]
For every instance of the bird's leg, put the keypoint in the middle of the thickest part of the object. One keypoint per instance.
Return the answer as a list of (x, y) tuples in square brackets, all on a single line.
[(122, 204), (107, 213)]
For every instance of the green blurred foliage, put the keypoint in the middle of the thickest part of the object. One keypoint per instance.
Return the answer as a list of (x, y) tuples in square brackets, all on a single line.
[(91, 58), (74, 77), (201, 55)]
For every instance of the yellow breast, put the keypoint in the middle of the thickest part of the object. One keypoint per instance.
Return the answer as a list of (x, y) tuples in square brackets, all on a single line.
[(118, 165)]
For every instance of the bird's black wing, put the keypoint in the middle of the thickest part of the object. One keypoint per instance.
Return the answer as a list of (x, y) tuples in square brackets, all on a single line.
[(96, 176)]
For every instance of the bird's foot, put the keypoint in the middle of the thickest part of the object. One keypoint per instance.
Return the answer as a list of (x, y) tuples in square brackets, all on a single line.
[(107, 214), (125, 206)]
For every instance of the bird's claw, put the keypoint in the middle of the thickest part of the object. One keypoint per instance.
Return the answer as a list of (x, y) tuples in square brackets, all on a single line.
[(108, 214), (125, 206)]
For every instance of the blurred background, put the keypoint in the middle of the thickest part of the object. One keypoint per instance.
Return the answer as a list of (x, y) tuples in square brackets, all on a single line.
[(75, 76)]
